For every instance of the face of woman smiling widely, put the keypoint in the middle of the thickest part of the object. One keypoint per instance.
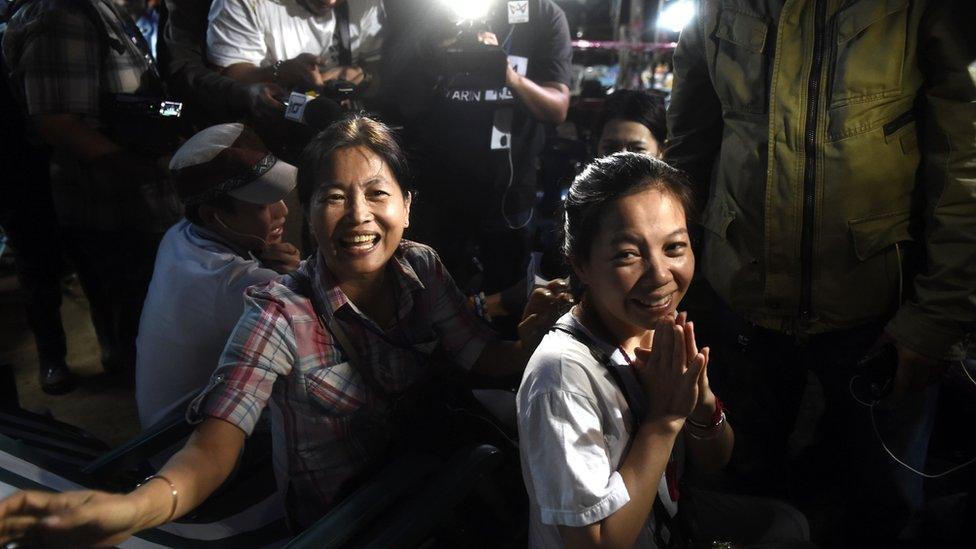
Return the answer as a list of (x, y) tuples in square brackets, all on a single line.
[(640, 263), (359, 215)]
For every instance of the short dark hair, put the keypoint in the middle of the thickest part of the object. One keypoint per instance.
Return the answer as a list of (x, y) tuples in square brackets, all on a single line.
[(222, 202), (352, 130), (607, 179), (639, 106)]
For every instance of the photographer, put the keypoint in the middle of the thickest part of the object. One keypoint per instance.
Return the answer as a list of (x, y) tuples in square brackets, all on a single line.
[(297, 44), (85, 78), (476, 146), (210, 97)]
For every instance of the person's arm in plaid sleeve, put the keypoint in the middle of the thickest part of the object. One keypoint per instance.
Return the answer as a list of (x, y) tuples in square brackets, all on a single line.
[(61, 64), (60, 74), (470, 343), (261, 347)]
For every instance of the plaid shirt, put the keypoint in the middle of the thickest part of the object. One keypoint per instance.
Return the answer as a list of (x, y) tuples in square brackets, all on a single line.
[(61, 62), (328, 421)]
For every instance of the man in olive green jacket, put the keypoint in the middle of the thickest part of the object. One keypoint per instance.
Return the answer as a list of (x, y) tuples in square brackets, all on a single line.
[(833, 146)]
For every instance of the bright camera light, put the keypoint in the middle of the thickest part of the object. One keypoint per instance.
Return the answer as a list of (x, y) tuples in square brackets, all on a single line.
[(468, 10), (676, 15)]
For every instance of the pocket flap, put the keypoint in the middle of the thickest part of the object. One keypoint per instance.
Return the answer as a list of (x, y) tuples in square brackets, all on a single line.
[(743, 29), (876, 233), (339, 389), (854, 19)]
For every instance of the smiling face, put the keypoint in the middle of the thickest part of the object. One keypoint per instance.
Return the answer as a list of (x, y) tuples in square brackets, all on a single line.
[(248, 225), (626, 135), (359, 214), (640, 263)]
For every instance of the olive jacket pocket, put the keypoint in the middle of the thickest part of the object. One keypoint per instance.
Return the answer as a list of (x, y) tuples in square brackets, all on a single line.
[(741, 64), (860, 73)]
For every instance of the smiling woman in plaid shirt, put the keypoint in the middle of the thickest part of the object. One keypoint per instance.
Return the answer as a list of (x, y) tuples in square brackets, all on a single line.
[(332, 348)]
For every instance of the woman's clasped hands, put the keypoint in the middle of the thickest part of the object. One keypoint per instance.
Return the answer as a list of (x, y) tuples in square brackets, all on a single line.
[(673, 373)]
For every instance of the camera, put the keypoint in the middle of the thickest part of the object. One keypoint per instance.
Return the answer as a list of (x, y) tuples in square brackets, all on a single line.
[(465, 62), (468, 64), (133, 105)]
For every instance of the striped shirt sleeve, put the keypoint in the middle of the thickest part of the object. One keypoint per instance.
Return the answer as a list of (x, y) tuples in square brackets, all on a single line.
[(261, 348)]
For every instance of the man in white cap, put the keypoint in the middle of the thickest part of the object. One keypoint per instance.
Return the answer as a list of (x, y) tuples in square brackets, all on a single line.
[(233, 191)]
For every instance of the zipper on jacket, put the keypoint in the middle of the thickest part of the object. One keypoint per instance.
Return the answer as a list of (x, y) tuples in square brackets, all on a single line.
[(810, 151)]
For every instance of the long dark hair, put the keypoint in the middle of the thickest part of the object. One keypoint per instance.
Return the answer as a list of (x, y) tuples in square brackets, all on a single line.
[(354, 130), (607, 179)]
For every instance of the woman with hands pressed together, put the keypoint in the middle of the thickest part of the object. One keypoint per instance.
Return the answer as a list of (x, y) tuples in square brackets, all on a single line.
[(617, 395), (335, 349)]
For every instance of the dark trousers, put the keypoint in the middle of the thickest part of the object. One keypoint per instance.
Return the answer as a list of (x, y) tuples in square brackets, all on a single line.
[(761, 376), (114, 268), (31, 225), (747, 521)]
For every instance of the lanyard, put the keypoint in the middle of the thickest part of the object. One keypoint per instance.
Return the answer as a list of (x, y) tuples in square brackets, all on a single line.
[(604, 359)]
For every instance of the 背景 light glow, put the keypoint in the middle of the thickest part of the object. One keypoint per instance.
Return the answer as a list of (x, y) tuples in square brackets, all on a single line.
[(468, 10), (676, 15)]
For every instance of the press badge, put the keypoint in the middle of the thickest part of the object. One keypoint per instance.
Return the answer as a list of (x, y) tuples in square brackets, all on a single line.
[(501, 129), (519, 64), (518, 12), (296, 106)]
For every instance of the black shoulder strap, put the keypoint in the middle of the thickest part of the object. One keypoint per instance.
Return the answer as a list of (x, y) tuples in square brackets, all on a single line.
[(342, 27), (603, 358)]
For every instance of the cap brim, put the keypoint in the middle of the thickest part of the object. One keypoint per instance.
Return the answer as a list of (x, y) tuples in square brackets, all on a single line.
[(271, 187)]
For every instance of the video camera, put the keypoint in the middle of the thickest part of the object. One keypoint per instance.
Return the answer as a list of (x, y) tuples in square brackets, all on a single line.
[(147, 124), (466, 63)]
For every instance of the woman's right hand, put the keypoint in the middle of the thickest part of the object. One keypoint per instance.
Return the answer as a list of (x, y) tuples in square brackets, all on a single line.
[(84, 518), (669, 374)]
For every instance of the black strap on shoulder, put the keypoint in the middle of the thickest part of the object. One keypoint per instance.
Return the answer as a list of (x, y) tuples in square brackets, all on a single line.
[(342, 27), (603, 358)]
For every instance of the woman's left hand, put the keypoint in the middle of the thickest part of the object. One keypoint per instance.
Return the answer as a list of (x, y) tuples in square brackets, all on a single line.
[(707, 402)]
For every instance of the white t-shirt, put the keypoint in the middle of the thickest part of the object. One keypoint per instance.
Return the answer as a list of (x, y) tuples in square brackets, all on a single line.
[(261, 32), (574, 428), (194, 301)]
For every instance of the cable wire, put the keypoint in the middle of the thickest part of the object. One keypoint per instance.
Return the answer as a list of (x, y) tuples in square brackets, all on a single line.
[(511, 179), (877, 432)]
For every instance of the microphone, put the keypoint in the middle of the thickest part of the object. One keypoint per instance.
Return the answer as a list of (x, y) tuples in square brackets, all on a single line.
[(321, 112), (315, 112)]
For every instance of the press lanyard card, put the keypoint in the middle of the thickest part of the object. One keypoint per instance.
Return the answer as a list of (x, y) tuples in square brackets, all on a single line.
[(519, 64), (501, 129), (518, 12)]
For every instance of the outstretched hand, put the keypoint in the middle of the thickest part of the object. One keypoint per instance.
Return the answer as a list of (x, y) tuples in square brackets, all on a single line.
[(83, 518)]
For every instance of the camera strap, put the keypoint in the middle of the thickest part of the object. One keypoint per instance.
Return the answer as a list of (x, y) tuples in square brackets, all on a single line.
[(342, 27)]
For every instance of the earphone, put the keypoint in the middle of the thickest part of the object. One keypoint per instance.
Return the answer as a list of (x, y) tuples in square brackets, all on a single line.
[(263, 243)]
